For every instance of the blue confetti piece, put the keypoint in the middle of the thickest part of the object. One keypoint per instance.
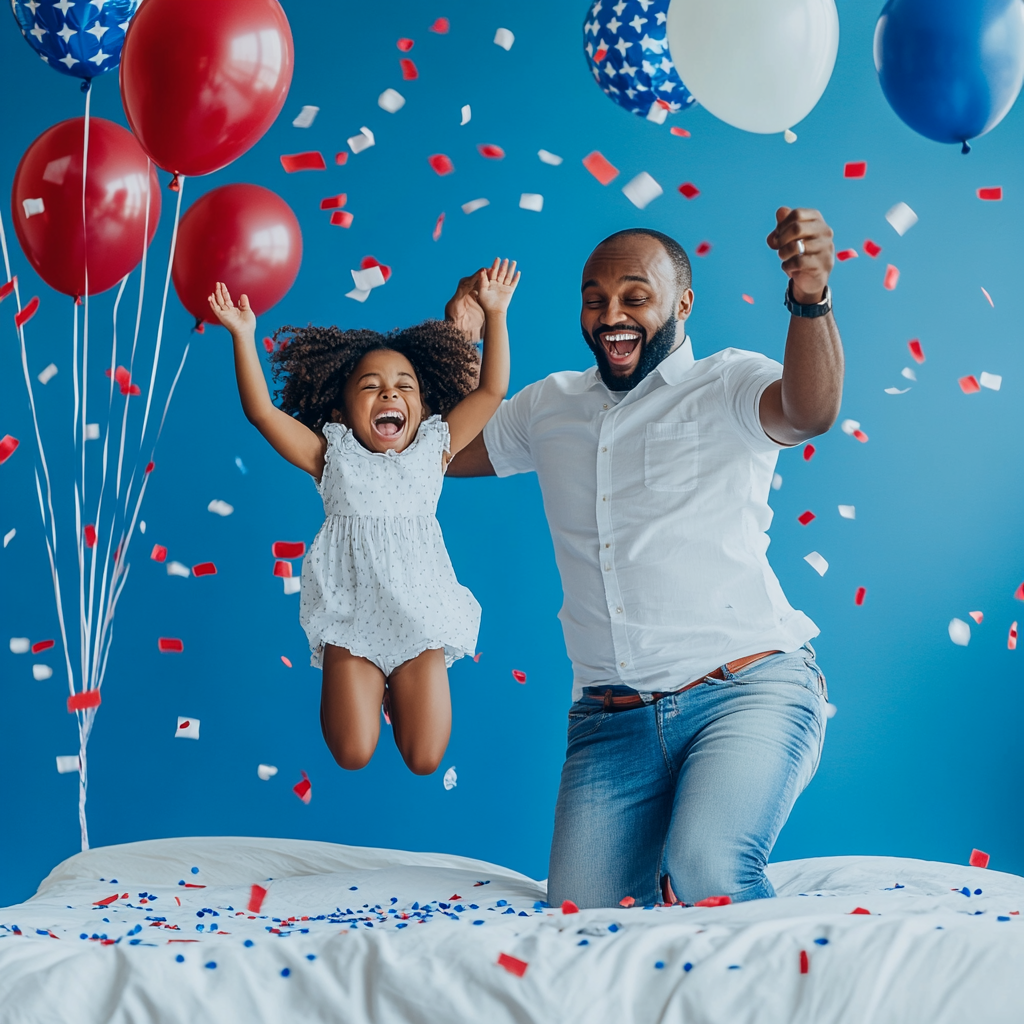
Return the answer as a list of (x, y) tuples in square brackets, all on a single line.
[(977, 892), (210, 965), (613, 927), (352, 888), (1001, 917), (179, 959), (473, 906), (821, 942), (660, 965), (241, 465), (311, 956), (966, 891), (134, 942), (113, 881), (248, 943), (478, 922), (734, 967), (83, 936), (687, 967), (502, 903), (583, 942), (285, 972), (195, 871)]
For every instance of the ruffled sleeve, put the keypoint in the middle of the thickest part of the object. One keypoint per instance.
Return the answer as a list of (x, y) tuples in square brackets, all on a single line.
[(335, 434)]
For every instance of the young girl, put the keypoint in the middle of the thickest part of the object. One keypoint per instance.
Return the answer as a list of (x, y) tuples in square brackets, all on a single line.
[(375, 419)]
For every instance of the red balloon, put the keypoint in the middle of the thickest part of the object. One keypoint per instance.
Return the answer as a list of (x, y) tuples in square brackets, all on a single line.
[(46, 205), (243, 235), (202, 81)]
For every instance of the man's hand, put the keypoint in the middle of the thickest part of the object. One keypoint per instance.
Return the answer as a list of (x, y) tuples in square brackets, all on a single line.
[(804, 243), (464, 310)]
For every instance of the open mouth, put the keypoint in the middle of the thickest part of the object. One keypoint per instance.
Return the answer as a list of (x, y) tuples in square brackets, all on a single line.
[(621, 346), (389, 423)]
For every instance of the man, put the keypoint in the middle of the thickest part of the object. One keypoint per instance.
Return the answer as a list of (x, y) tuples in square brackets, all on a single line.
[(699, 710)]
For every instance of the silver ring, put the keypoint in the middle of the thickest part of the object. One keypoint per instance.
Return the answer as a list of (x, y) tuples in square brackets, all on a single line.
[(800, 248)]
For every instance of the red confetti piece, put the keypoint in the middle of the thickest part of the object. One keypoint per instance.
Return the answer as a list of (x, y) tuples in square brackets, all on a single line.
[(6, 289), (7, 446), (805, 517), (288, 548), (341, 158), (311, 161), (191, 885), (989, 297), (268, 344), (520, 677), (169, 645), (858, 598), (150, 466), (860, 436), (409, 72), (855, 169), (748, 298), (283, 569), (600, 168), (627, 901), (809, 451), (89, 535), (689, 190), (369, 261), (568, 907), (159, 553), (342, 219), (405, 45), (846, 254), (256, 897), (476, 657), (512, 964), (969, 385), (440, 26), (42, 645), (714, 901), (1011, 640), (304, 789), (600, 55), (991, 193), (872, 248), (979, 859), (490, 151), (204, 569), (915, 350), (682, 133), (334, 202), (437, 226), (84, 699), (107, 901), (859, 910), (441, 164), (892, 276), (286, 662), (977, 616), (1018, 594), (805, 962), (703, 249), (22, 318)]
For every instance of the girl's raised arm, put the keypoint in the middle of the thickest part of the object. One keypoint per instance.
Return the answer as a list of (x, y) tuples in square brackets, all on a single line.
[(495, 287), (291, 439)]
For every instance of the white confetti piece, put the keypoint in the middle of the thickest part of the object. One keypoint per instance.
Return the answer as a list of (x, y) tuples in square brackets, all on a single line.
[(789, 135), (451, 780), (959, 632), (475, 204), (32, 207), (241, 465), (359, 294), (642, 190), (776, 481), (188, 728), (657, 113), (817, 563), (67, 763), (292, 584), (902, 218), (20, 644), (142, 526), (990, 380), (849, 427), (989, 297), (177, 569), (504, 38), (908, 373), (41, 672), (47, 374), (306, 117), (368, 279), (848, 511), (220, 508), (364, 140), (467, 115), (92, 431), (531, 201), (266, 771), (549, 158), (896, 391), (9, 536), (391, 100), (830, 710)]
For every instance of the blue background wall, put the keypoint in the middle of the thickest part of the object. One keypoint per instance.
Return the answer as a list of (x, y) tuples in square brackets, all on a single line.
[(923, 758)]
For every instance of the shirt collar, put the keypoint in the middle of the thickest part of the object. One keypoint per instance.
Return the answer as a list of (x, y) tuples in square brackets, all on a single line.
[(672, 369)]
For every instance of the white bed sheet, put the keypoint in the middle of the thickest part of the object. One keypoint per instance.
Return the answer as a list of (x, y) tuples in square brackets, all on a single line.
[(931, 950)]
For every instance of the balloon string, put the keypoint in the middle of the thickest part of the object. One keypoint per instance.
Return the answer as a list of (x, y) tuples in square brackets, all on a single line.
[(85, 261)]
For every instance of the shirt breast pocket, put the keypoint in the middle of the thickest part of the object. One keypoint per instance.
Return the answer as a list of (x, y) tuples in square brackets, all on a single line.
[(671, 456)]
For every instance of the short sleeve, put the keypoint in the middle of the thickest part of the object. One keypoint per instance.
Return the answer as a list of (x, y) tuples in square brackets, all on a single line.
[(507, 434), (745, 376)]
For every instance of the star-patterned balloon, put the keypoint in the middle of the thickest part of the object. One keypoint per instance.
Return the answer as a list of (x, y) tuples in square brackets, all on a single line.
[(81, 38), (627, 52)]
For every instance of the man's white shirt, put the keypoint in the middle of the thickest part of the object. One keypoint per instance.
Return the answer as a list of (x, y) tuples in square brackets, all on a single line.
[(657, 500)]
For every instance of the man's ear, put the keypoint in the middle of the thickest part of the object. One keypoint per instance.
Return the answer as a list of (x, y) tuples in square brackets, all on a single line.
[(684, 307)]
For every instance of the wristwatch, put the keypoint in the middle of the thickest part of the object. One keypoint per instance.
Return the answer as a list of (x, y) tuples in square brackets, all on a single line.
[(811, 310)]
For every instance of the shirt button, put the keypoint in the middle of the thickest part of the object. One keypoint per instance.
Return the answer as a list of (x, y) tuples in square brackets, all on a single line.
[(607, 545), (619, 610), (605, 406), (607, 567), (604, 497), (622, 664), (604, 449)]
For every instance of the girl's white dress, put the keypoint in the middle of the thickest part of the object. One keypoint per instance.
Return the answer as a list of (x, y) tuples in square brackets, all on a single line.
[(377, 579)]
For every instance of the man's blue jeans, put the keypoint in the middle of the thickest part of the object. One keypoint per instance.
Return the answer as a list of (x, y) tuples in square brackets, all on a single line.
[(696, 786)]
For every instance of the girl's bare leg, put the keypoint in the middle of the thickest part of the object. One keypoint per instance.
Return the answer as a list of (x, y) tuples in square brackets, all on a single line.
[(350, 699), (421, 711)]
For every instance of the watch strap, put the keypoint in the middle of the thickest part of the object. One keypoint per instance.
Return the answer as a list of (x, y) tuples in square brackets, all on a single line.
[(810, 310)]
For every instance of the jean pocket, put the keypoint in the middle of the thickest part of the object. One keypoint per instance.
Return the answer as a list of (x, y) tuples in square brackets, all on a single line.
[(585, 722), (671, 456)]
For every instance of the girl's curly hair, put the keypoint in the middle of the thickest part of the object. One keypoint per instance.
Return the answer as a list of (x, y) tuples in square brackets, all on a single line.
[(315, 363)]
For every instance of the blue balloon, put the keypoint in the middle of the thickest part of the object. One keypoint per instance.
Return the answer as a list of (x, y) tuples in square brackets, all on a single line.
[(950, 69), (627, 52), (82, 39)]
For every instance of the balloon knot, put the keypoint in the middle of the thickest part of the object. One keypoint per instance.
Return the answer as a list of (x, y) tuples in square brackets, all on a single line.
[(965, 148), (175, 184), (200, 327), (78, 300), (86, 84)]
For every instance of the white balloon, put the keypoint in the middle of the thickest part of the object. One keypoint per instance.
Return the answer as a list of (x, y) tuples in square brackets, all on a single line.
[(759, 65)]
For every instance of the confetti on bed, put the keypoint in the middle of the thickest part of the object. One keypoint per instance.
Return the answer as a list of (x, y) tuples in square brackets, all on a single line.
[(504, 38), (817, 563), (642, 190), (991, 194), (855, 169), (310, 161), (959, 632), (901, 218), (306, 117), (600, 168), (512, 964)]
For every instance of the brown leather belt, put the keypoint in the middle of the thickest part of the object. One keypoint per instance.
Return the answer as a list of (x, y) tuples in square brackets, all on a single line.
[(628, 702)]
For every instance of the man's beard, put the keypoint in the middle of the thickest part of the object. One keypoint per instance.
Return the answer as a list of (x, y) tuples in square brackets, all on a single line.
[(652, 351)]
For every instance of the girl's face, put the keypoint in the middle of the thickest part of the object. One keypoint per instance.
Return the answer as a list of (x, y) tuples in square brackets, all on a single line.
[(383, 406)]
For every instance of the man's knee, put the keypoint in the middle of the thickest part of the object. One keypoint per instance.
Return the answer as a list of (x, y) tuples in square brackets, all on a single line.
[(696, 874)]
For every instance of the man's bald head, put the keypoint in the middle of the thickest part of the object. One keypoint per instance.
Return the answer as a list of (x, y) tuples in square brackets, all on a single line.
[(675, 252)]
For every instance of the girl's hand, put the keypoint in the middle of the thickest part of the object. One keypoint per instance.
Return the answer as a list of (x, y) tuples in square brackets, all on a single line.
[(238, 319), (496, 285)]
